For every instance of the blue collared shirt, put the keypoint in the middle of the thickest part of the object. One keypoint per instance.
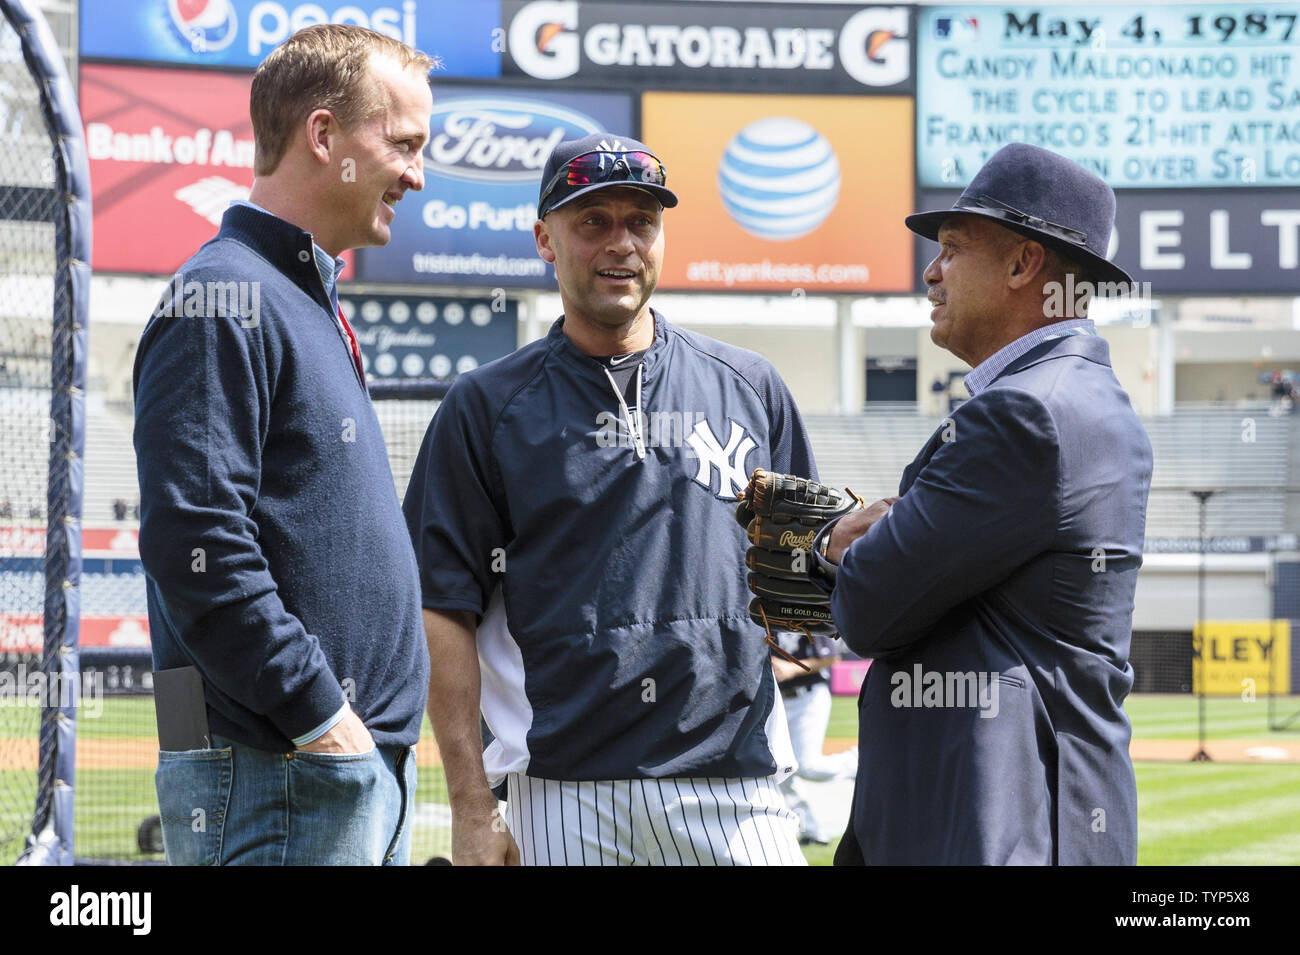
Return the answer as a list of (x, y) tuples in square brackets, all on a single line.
[(982, 374)]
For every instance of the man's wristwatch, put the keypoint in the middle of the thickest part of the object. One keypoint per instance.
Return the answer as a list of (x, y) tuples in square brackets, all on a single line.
[(821, 571)]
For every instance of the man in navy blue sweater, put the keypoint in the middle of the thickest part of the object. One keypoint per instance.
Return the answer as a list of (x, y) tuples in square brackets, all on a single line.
[(275, 551)]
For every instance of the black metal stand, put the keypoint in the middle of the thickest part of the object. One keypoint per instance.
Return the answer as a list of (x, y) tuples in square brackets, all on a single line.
[(1202, 756)]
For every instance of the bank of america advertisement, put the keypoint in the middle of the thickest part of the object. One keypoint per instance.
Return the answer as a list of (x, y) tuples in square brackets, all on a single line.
[(169, 150), (472, 224), (784, 192), (1152, 97), (240, 33)]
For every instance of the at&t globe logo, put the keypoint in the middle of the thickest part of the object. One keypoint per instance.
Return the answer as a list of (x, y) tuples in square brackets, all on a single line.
[(779, 178), (204, 26)]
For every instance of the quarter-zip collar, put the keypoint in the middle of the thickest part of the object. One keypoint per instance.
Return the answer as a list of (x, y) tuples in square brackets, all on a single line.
[(592, 368), (329, 267), (291, 251), (596, 370), (285, 246), (633, 418)]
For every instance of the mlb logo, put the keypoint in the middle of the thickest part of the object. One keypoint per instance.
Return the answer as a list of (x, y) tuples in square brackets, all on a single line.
[(958, 29)]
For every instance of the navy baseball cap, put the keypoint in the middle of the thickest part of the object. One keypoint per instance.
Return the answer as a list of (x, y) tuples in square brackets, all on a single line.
[(579, 166)]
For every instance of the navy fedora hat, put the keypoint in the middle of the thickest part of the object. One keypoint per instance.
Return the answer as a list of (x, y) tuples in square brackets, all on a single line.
[(1043, 196)]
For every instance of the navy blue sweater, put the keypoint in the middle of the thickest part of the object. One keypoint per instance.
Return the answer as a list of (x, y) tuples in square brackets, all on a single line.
[(277, 557)]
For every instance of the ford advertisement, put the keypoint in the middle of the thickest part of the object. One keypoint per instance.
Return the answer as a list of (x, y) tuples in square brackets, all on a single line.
[(473, 222)]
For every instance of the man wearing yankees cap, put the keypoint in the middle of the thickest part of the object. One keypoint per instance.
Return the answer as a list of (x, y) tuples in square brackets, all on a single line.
[(995, 594), (572, 510)]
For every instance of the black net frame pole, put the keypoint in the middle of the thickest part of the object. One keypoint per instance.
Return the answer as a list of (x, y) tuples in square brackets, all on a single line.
[(1277, 721), (51, 842), (1274, 583), (1201, 756), (409, 389)]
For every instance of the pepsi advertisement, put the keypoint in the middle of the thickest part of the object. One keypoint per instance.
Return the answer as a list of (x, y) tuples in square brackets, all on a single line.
[(408, 336), (240, 33), (473, 222)]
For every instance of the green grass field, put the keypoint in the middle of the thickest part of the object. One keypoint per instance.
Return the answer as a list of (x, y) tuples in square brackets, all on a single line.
[(1188, 813), (1193, 813), (111, 802), (1164, 716)]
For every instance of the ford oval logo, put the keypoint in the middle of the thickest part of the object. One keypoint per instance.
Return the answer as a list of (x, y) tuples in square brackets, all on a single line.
[(498, 139)]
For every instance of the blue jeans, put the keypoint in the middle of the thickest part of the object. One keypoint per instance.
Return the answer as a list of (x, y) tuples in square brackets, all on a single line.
[(236, 805)]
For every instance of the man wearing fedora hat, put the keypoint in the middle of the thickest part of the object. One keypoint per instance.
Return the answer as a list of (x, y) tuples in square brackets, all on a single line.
[(995, 593)]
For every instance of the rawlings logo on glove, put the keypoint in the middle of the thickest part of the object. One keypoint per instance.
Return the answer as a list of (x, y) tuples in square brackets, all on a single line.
[(797, 541), (784, 515)]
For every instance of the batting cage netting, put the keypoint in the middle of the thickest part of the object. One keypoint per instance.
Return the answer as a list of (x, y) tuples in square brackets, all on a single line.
[(404, 409), (44, 281)]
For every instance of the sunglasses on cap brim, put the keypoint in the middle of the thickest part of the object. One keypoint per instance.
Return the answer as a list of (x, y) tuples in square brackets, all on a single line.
[(593, 168)]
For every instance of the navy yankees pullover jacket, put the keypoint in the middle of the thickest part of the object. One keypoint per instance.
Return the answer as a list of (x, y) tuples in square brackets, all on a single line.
[(276, 556), (608, 571)]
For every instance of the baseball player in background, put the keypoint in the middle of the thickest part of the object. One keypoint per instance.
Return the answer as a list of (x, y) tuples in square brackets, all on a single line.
[(572, 511), (806, 692)]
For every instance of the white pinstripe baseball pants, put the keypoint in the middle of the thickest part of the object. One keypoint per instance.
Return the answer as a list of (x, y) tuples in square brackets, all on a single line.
[(687, 821)]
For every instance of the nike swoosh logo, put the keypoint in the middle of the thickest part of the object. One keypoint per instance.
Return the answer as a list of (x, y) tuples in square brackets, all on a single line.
[(619, 359)]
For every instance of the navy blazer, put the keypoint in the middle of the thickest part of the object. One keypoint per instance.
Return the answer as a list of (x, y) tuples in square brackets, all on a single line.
[(996, 598)]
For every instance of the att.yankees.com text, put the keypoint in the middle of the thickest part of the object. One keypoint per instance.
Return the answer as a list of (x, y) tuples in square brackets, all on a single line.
[(742, 273)]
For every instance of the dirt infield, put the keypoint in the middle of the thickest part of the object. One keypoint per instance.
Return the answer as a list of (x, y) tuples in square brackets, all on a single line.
[(128, 753), (1221, 751), (137, 752), (142, 753)]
